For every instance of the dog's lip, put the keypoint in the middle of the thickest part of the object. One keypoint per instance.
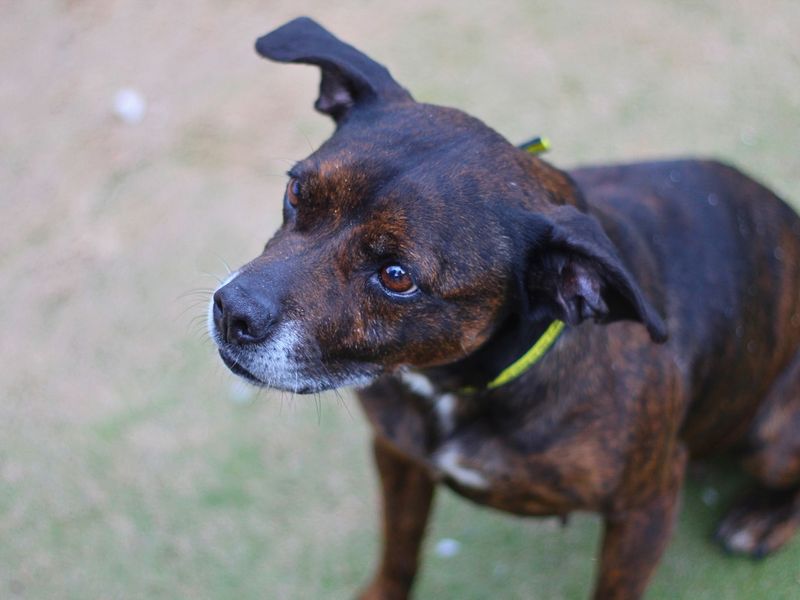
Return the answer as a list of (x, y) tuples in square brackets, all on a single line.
[(301, 387), (237, 368)]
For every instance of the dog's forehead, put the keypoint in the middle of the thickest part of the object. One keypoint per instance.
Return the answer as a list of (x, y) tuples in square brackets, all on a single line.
[(410, 131), (419, 154)]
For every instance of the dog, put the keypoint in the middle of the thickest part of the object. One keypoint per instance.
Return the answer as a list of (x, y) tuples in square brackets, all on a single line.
[(539, 340)]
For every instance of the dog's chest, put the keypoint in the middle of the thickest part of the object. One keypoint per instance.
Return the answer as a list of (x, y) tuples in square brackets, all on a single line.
[(511, 467), (447, 413), (446, 409)]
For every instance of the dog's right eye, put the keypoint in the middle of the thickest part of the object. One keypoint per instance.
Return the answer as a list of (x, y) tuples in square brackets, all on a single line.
[(293, 192), (397, 280)]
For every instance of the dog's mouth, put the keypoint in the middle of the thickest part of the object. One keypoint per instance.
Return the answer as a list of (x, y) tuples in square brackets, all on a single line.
[(288, 364), (358, 377), (299, 387), (238, 369)]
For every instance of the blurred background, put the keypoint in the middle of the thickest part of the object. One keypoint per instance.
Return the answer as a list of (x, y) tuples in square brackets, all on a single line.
[(143, 145)]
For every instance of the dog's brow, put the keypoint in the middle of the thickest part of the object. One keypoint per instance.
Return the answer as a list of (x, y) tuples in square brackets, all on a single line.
[(382, 244), (296, 171)]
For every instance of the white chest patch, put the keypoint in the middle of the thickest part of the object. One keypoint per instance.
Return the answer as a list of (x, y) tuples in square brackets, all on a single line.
[(448, 460), (419, 384), (444, 405)]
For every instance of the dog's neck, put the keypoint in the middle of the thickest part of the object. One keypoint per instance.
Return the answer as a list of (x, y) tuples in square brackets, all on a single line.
[(515, 337)]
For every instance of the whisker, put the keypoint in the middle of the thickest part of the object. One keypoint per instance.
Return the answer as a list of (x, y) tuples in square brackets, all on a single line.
[(308, 141), (224, 264), (199, 307), (216, 277), (344, 403), (196, 291), (330, 380), (289, 161)]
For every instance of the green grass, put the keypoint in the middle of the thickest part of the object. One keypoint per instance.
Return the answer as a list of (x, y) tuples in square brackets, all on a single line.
[(284, 501)]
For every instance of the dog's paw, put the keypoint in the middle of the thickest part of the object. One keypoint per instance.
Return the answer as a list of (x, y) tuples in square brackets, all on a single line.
[(760, 524)]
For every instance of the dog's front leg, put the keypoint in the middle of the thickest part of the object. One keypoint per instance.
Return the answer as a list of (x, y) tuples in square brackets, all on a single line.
[(407, 491), (634, 539)]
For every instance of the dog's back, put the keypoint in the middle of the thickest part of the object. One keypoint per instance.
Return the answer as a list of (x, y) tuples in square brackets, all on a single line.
[(726, 252)]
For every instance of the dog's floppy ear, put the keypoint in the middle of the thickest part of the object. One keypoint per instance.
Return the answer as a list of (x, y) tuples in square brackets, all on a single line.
[(574, 273), (349, 77)]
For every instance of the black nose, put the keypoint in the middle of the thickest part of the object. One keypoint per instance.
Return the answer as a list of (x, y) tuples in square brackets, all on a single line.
[(243, 316)]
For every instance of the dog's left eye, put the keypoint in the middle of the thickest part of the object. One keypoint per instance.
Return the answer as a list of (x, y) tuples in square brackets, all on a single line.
[(293, 192), (397, 280)]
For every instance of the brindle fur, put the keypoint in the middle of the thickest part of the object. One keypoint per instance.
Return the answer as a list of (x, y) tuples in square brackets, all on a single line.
[(500, 243)]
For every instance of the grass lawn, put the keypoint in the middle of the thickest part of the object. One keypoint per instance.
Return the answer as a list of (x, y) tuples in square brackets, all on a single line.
[(131, 464)]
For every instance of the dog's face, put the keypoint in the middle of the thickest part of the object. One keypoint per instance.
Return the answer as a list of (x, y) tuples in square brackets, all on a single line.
[(376, 264), (406, 240)]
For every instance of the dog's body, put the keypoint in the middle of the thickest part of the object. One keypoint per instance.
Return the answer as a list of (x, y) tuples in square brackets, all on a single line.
[(422, 254)]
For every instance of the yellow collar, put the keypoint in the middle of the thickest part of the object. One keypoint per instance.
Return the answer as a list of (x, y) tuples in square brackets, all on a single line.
[(536, 145), (526, 361)]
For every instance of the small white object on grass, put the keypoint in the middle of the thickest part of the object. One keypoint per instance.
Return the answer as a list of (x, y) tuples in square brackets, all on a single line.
[(129, 105), (500, 570), (447, 547), (710, 496)]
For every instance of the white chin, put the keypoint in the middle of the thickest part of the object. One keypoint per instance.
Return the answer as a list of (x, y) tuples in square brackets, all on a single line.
[(288, 362)]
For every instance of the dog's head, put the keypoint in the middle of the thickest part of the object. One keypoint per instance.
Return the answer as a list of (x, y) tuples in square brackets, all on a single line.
[(407, 238)]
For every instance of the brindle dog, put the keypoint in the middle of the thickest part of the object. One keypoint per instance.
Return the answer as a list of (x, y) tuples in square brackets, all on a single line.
[(421, 254)]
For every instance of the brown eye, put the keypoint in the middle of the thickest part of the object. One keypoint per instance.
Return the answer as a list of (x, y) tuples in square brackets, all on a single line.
[(396, 279), (293, 192)]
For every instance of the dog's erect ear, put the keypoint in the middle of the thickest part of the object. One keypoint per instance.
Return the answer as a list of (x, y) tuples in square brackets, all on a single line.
[(349, 77), (574, 273)]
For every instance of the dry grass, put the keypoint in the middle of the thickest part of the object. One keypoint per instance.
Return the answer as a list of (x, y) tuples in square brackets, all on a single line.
[(124, 472)]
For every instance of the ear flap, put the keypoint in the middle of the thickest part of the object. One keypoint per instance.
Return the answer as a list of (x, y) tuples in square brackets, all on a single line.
[(349, 77), (575, 273)]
